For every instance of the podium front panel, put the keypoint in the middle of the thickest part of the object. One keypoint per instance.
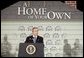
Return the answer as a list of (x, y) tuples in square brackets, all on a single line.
[(38, 53)]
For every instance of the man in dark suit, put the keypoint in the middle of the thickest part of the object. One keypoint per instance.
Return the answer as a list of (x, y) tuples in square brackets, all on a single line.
[(34, 38)]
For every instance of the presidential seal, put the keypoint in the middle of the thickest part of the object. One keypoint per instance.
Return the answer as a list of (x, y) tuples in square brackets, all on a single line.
[(30, 49)]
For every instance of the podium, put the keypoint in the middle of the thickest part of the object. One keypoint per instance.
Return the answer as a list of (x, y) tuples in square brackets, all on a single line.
[(31, 50)]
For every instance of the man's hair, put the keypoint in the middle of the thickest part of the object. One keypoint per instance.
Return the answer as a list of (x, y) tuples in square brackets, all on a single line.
[(34, 28)]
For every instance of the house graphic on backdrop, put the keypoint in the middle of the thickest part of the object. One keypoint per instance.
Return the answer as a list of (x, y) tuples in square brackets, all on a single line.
[(56, 20)]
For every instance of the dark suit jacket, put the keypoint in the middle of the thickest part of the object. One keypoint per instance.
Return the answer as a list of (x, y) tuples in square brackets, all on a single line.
[(29, 39)]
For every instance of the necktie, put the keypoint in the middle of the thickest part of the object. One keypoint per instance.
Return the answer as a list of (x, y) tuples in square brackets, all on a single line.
[(34, 39)]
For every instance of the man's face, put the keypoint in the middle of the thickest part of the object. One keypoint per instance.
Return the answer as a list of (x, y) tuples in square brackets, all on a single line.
[(35, 32)]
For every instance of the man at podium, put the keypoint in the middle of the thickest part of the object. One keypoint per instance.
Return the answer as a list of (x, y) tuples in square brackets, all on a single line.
[(34, 38), (33, 46)]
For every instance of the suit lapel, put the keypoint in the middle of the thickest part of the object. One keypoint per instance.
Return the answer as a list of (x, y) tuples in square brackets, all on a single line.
[(32, 39), (37, 40)]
